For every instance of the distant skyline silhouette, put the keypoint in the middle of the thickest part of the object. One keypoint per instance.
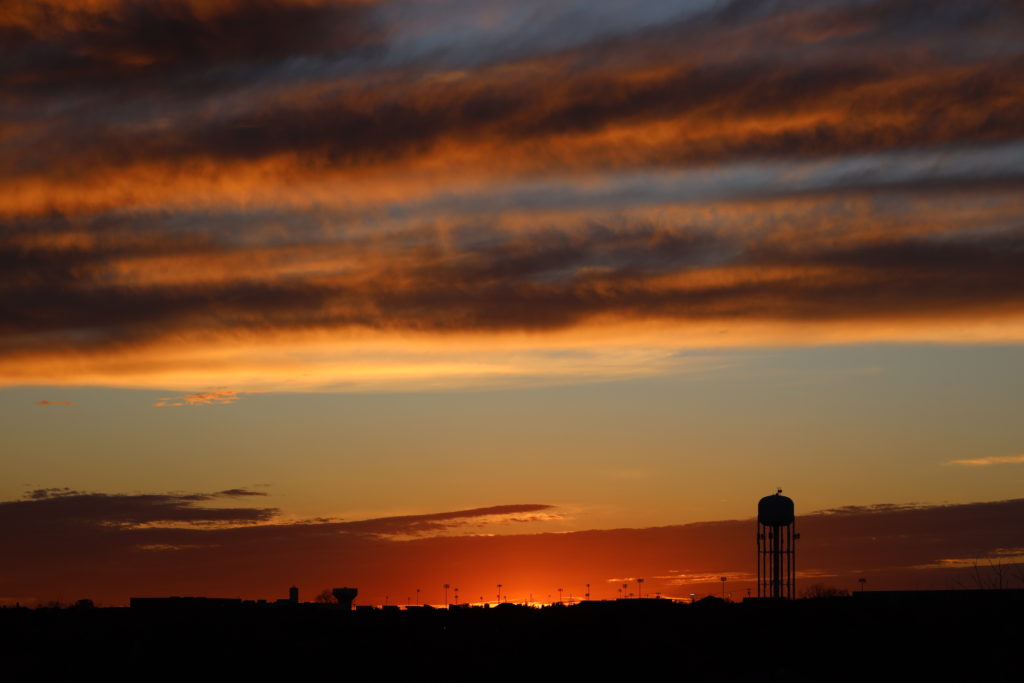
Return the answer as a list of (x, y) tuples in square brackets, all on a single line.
[(107, 548)]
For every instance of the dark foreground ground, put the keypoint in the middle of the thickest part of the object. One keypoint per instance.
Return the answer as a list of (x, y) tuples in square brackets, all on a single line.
[(966, 637)]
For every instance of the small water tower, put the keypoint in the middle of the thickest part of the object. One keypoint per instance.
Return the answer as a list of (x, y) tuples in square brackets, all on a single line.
[(776, 546), (345, 596)]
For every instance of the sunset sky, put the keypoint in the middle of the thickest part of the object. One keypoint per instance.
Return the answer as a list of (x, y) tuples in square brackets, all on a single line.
[(397, 293)]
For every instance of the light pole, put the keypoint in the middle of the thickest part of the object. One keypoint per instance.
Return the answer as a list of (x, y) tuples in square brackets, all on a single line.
[(499, 593), (446, 587), (862, 581), (559, 596), (588, 592), (417, 596), (639, 588), (722, 579)]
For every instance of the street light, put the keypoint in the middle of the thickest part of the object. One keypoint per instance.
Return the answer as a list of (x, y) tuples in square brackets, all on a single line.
[(723, 579), (559, 596), (588, 592), (639, 588), (446, 587)]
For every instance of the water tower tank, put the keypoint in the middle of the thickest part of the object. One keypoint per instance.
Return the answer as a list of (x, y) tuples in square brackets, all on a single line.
[(775, 510), (345, 596)]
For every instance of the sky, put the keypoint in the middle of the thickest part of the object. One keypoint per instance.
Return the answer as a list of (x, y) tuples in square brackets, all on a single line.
[(404, 293)]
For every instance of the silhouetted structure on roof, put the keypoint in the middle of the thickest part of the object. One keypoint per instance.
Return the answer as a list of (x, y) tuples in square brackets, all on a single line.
[(776, 547), (345, 596), (293, 595), (180, 603)]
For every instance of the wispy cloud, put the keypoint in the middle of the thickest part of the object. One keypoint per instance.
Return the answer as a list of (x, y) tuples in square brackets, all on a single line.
[(993, 460), (54, 403), (203, 398), (239, 493)]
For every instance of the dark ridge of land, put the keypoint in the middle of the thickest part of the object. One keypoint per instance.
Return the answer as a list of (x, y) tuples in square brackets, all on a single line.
[(971, 636)]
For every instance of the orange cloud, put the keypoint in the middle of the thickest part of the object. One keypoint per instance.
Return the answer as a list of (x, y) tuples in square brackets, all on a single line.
[(203, 398), (993, 460), (353, 177)]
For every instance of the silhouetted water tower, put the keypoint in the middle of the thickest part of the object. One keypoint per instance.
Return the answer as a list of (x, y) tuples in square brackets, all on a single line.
[(776, 546), (345, 596)]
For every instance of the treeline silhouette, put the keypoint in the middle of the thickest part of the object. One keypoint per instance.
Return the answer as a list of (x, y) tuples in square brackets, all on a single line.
[(965, 635)]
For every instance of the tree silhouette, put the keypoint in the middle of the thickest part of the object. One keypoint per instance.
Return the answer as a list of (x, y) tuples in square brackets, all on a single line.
[(325, 597), (820, 590)]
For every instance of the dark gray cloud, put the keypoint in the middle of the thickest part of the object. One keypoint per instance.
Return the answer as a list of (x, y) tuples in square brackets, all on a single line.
[(138, 44), (80, 544), (45, 506), (844, 62), (438, 521), (87, 513), (171, 103), (239, 493), (895, 110), (496, 281)]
